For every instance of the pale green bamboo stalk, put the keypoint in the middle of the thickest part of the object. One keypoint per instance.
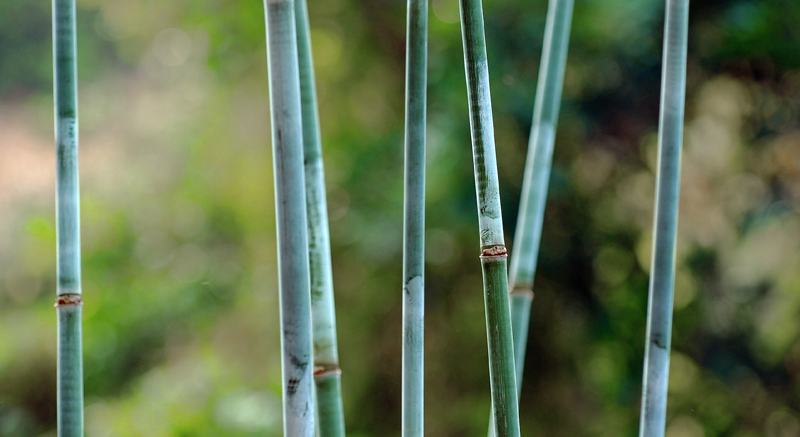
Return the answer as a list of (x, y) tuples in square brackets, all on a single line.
[(414, 221), (68, 301), (537, 173), (290, 211), (493, 251), (662, 278), (327, 374)]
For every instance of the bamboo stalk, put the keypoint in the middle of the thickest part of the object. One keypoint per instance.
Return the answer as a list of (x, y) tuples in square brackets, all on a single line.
[(327, 374), (68, 301), (414, 221), (662, 279), (493, 251), (290, 210), (537, 172)]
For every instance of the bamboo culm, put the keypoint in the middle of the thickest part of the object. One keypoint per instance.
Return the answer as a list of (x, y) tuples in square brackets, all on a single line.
[(528, 236), (327, 374), (493, 251), (68, 301), (290, 210), (662, 278), (414, 220)]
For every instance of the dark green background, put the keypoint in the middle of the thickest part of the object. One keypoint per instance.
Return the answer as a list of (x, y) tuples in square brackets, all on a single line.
[(181, 313)]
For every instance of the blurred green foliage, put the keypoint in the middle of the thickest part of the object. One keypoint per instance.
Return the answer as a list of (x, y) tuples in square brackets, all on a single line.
[(181, 318)]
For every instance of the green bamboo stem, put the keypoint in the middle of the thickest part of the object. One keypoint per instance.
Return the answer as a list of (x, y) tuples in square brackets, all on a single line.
[(290, 211), (70, 366), (68, 302), (528, 236), (414, 220), (493, 257), (327, 374), (330, 415), (662, 279), (521, 301)]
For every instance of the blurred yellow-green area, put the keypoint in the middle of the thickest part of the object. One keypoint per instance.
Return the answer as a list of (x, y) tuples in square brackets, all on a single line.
[(179, 259)]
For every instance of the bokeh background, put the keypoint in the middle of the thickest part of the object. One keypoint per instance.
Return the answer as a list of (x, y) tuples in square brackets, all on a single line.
[(180, 283)]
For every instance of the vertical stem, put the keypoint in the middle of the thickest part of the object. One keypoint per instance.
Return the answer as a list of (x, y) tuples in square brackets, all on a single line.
[(70, 366), (537, 170), (414, 220), (290, 210), (327, 374), (505, 410), (493, 258), (520, 317), (68, 302), (662, 279)]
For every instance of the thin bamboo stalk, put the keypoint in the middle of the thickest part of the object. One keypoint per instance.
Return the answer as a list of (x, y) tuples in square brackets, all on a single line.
[(493, 251), (68, 301), (414, 221), (528, 236), (290, 211), (537, 176), (662, 279), (327, 374)]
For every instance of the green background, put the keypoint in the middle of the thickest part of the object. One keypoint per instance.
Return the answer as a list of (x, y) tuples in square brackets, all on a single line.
[(180, 283)]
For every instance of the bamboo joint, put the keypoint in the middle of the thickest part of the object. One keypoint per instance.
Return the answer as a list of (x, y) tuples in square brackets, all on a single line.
[(326, 370), (496, 251), (68, 300), (522, 292)]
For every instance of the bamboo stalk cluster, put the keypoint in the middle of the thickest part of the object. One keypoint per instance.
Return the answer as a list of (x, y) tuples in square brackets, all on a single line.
[(308, 319), (312, 401)]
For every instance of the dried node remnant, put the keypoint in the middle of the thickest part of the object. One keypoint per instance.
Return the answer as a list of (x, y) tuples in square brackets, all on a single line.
[(494, 252), (326, 370), (68, 300)]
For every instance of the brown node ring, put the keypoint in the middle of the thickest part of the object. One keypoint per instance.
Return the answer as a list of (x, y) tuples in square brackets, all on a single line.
[(527, 292), (323, 371), (68, 300), (496, 251)]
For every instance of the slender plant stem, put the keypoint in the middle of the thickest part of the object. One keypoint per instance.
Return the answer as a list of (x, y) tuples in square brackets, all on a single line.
[(68, 302), (70, 366), (290, 210), (528, 236), (494, 255), (414, 220), (537, 171), (662, 278), (327, 374)]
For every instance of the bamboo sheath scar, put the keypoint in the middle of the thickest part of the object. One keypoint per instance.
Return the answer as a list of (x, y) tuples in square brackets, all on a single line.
[(414, 220), (327, 374), (291, 220), (68, 301), (493, 252), (662, 278)]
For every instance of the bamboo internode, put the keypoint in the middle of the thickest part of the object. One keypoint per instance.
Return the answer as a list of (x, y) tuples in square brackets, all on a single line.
[(493, 260), (665, 226), (290, 210), (68, 301), (414, 220)]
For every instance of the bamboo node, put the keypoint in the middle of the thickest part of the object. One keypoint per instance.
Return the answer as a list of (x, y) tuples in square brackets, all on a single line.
[(68, 300), (525, 292), (496, 251), (324, 371)]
